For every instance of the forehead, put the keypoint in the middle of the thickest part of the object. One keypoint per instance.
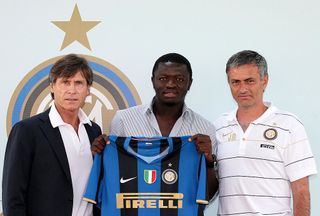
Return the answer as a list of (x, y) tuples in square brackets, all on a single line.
[(243, 72), (72, 75), (171, 68)]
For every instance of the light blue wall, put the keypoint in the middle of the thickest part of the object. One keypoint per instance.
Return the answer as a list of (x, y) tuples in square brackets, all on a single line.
[(132, 34)]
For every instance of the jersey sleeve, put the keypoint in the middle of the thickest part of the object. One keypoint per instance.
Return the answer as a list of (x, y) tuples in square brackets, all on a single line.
[(95, 183), (202, 184)]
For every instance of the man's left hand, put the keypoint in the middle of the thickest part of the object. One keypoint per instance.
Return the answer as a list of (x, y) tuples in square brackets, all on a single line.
[(203, 145)]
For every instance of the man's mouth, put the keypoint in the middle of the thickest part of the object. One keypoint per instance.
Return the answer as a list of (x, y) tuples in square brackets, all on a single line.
[(170, 94), (71, 99)]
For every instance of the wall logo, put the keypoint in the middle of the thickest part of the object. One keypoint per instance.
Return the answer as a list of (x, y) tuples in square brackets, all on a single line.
[(111, 90)]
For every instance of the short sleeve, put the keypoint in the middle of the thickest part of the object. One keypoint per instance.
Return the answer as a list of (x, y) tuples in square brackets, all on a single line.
[(298, 157)]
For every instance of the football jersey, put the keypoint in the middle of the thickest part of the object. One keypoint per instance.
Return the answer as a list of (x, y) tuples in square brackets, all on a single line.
[(136, 176)]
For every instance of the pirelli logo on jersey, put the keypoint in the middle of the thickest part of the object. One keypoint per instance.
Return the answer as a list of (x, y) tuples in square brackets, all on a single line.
[(149, 200)]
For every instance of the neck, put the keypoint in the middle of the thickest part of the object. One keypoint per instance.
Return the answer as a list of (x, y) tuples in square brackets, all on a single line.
[(167, 116), (70, 117), (246, 115), (167, 111)]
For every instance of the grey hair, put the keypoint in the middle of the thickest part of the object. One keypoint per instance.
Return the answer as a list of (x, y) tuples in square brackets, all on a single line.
[(248, 57)]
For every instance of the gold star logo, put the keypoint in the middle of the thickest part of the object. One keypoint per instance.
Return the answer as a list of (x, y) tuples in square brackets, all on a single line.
[(75, 29)]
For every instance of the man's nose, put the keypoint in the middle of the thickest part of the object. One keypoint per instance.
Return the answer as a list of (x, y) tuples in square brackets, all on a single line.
[(72, 88), (243, 87), (171, 83)]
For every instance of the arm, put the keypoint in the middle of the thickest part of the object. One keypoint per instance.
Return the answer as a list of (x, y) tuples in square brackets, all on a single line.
[(212, 181), (17, 165), (203, 145), (301, 197), (116, 128), (99, 143)]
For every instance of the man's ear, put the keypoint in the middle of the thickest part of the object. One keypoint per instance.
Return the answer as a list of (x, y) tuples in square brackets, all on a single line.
[(265, 82), (190, 83), (51, 87), (152, 81), (88, 91)]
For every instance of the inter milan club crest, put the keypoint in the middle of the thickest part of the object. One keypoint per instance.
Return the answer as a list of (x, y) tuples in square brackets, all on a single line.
[(150, 176), (270, 134), (169, 176)]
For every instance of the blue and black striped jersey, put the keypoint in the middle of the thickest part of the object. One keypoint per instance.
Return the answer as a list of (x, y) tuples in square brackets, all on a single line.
[(139, 176)]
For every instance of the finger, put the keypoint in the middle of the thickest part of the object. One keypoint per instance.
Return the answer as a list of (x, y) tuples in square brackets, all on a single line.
[(95, 150), (194, 137), (105, 139), (100, 148)]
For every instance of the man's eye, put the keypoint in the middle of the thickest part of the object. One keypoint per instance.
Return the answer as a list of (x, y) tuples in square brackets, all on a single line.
[(162, 78), (251, 81), (180, 79)]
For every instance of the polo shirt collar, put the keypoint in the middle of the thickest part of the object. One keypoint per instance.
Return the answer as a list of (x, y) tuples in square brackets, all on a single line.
[(57, 121), (232, 116)]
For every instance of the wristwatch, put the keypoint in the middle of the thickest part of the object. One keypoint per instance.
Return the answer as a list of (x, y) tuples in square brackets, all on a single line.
[(212, 163)]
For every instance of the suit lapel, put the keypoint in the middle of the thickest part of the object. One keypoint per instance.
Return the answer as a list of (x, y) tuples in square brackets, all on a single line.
[(90, 132), (54, 138)]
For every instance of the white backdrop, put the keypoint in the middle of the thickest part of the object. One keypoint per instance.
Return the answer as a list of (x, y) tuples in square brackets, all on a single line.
[(133, 34)]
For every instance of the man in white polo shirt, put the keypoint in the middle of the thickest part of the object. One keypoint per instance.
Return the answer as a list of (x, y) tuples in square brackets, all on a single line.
[(263, 153)]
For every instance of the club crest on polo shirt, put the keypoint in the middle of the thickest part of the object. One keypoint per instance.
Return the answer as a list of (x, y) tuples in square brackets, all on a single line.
[(169, 176), (270, 134)]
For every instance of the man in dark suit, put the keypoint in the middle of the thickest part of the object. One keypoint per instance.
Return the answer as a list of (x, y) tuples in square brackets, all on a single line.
[(48, 157)]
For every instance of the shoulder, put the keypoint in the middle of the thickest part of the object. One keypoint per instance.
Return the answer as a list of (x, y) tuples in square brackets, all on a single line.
[(134, 109), (197, 117), (30, 124), (223, 120), (34, 120), (199, 123), (286, 119), (131, 113)]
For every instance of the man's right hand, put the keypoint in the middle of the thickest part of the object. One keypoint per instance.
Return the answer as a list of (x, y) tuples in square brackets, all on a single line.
[(99, 143)]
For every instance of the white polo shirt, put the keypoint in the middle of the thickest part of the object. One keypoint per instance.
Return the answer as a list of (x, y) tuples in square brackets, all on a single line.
[(256, 166), (77, 146)]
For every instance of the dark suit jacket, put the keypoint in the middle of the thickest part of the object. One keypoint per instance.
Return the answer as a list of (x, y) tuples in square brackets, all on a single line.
[(36, 176)]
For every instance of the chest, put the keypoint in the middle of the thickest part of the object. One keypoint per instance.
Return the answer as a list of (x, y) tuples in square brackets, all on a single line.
[(258, 141)]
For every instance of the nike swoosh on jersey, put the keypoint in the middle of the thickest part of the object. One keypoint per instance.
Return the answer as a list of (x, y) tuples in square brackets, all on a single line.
[(122, 181)]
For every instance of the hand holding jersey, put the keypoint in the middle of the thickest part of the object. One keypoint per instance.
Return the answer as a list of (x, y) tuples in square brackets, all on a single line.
[(149, 176)]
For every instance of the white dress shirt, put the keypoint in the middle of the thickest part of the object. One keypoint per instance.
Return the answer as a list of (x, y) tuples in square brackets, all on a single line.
[(77, 146)]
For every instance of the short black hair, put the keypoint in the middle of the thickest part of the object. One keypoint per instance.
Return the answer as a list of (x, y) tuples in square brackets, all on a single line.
[(174, 58)]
